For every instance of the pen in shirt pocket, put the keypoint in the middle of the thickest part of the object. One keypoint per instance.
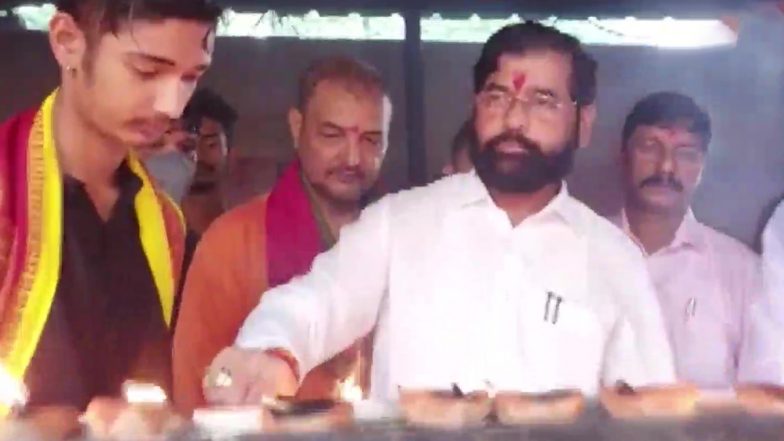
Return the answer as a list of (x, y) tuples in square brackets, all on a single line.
[(691, 308)]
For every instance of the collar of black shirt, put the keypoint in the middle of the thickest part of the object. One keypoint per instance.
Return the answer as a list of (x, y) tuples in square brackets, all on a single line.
[(125, 179)]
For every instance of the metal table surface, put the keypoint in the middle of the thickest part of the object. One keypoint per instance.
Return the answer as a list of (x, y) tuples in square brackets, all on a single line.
[(594, 426)]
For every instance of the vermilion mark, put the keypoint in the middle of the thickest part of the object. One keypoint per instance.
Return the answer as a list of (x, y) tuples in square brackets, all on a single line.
[(518, 81)]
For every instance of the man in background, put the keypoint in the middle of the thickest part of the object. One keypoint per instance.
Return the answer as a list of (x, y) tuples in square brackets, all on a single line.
[(460, 156), (340, 128), (172, 160), (705, 280), (213, 120)]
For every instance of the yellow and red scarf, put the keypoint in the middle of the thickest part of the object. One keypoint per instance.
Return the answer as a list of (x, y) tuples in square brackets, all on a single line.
[(31, 216)]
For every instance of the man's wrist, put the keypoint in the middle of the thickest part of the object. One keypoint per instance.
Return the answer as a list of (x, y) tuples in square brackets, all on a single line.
[(285, 355)]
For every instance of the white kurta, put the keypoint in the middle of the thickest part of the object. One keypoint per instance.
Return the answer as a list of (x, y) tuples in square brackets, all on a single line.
[(458, 295), (706, 282), (763, 356)]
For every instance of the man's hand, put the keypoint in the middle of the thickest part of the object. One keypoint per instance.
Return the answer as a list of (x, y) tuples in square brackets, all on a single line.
[(242, 377)]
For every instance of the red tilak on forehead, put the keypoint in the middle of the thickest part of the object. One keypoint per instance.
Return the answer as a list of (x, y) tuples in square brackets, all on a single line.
[(518, 81)]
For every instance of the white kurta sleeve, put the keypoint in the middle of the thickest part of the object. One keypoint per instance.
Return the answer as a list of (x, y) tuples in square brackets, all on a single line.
[(621, 360), (773, 264), (762, 352), (638, 350), (318, 315)]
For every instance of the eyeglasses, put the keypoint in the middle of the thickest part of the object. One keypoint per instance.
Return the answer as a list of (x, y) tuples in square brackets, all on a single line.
[(541, 106), (654, 151)]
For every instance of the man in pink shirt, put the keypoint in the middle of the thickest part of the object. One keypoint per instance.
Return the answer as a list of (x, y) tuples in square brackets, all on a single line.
[(705, 280)]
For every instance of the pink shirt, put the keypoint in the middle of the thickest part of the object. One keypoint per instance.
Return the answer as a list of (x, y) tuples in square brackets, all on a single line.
[(705, 282)]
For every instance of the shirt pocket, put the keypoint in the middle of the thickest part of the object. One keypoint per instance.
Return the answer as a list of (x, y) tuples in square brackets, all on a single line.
[(703, 352), (699, 320), (561, 344)]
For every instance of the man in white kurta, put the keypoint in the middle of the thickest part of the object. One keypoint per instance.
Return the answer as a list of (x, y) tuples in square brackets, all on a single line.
[(764, 348), (705, 280), (494, 278), (459, 295)]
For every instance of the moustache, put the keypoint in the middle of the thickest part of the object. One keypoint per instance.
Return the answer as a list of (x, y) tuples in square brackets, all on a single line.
[(662, 181), (353, 172), (525, 171), (531, 147)]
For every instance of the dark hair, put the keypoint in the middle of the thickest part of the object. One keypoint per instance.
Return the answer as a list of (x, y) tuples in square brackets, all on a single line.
[(206, 103), (464, 138), (668, 109), (354, 74), (531, 36), (108, 15)]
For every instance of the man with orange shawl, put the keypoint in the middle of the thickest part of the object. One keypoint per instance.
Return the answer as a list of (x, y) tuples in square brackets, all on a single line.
[(340, 127), (90, 250)]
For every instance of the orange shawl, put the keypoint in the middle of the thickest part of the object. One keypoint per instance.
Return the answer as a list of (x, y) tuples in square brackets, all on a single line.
[(252, 248)]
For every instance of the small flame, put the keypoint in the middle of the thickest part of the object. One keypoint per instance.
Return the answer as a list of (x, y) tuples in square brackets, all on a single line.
[(143, 393), (350, 391), (13, 394)]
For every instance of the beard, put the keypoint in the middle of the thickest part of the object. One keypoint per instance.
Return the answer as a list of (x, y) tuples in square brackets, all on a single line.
[(526, 172)]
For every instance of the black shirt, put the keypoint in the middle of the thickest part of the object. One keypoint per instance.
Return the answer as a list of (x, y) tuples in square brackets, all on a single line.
[(106, 324)]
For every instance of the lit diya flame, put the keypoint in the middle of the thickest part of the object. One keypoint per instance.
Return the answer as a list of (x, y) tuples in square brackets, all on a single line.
[(13, 393), (143, 414), (143, 393), (350, 391)]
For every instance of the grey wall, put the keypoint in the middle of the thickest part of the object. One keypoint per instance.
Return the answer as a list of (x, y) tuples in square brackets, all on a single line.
[(743, 91)]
